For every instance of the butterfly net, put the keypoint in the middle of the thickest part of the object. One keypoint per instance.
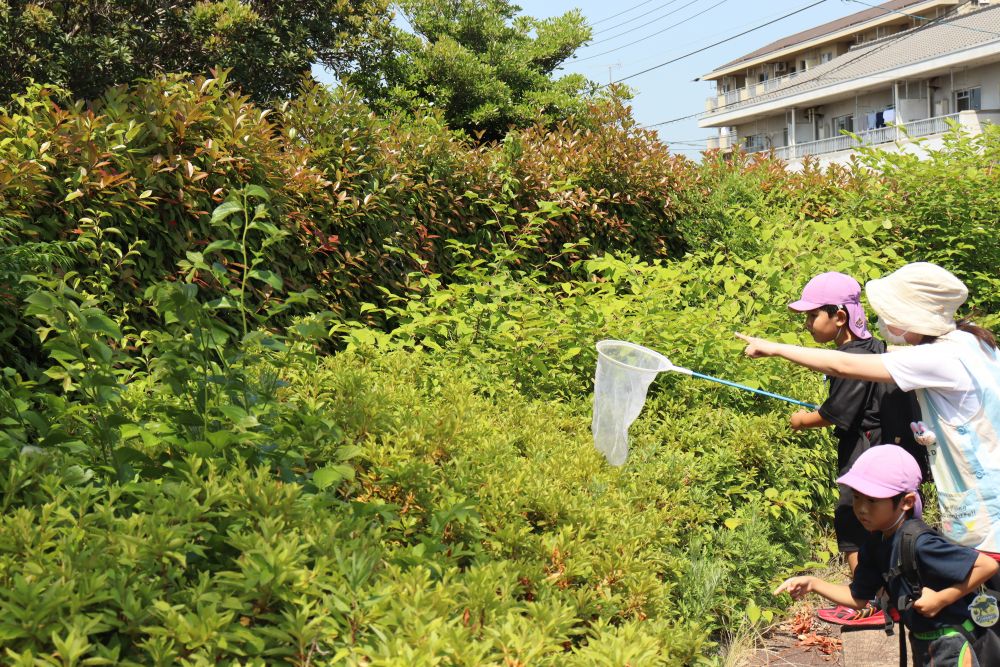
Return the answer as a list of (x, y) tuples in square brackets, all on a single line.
[(624, 373)]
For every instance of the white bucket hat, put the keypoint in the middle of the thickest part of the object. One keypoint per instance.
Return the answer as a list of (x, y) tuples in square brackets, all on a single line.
[(920, 297)]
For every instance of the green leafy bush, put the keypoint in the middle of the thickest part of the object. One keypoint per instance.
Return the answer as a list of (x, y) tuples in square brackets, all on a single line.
[(189, 476)]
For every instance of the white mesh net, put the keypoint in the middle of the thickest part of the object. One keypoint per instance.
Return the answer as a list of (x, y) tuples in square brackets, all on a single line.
[(624, 373)]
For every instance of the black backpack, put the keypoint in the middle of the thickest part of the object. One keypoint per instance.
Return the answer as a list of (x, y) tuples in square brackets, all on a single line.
[(985, 642)]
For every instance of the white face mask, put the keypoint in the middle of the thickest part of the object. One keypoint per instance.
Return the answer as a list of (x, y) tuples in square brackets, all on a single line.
[(888, 336)]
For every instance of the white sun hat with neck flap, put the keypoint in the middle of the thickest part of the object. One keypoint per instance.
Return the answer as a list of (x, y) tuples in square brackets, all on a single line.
[(920, 297)]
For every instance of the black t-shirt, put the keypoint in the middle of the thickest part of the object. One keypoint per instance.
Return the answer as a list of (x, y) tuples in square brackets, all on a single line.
[(865, 414), (852, 406), (941, 564)]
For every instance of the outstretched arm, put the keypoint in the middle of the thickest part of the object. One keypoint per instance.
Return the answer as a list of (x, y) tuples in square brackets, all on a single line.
[(838, 594), (805, 419), (867, 367)]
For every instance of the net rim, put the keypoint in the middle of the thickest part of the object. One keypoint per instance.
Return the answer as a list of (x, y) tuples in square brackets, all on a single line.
[(665, 364)]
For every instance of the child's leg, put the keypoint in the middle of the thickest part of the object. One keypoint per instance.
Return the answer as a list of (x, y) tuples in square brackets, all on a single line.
[(850, 533)]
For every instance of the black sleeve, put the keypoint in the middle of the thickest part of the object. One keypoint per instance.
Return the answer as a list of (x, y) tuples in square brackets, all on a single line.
[(943, 563), (846, 402)]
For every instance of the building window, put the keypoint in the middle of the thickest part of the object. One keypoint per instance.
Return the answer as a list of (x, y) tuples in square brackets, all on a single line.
[(843, 123), (968, 99), (755, 143), (825, 57)]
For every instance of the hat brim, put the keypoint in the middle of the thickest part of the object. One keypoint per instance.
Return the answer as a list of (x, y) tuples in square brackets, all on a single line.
[(866, 486), (877, 292), (803, 306)]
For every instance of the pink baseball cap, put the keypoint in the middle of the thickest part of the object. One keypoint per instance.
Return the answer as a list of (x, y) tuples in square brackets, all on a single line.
[(885, 471), (835, 289)]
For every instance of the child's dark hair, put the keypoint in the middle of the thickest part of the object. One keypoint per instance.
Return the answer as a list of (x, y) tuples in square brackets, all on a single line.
[(965, 324), (830, 310), (898, 498)]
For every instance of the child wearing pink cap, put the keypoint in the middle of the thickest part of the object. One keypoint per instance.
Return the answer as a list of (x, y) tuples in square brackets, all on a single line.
[(939, 614), (834, 314), (953, 367)]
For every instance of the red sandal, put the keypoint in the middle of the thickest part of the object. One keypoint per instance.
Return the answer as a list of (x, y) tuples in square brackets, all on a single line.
[(868, 616)]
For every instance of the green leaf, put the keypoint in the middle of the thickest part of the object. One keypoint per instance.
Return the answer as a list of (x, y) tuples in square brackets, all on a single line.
[(98, 321), (753, 612), (268, 277), (222, 303), (333, 474), (348, 452), (225, 210), (222, 244), (257, 191)]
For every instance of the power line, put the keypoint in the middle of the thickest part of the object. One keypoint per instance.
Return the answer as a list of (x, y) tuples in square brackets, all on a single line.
[(624, 11), (659, 32), (647, 24), (713, 45), (632, 20), (674, 120), (714, 34)]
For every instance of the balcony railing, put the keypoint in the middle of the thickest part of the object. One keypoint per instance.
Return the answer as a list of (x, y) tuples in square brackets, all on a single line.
[(928, 126), (881, 135), (731, 97)]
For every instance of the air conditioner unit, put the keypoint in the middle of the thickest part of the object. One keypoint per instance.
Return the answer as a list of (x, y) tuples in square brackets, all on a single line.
[(780, 67)]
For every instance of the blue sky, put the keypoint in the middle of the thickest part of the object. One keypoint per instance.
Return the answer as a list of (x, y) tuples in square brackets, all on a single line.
[(670, 92)]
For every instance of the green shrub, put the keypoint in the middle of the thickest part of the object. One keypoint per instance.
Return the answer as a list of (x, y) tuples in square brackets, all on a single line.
[(471, 530)]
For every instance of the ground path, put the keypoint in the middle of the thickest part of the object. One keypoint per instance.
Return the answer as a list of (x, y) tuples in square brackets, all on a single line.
[(804, 641)]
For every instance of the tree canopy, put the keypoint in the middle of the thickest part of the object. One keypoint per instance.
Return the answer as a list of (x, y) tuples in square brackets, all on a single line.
[(484, 65), (88, 45)]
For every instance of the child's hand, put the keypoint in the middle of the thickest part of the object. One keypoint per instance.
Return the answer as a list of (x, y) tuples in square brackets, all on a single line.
[(929, 603), (795, 586), (757, 347), (795, 423)]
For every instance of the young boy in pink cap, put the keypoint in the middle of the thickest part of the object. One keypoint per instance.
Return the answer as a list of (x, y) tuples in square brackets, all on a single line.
[(854, 408), (940, 619)]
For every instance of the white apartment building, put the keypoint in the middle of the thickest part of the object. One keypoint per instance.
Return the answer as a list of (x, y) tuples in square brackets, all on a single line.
[(902, 70)]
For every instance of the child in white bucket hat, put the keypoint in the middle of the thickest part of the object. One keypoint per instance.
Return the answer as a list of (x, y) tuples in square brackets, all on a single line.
[(953, 367)]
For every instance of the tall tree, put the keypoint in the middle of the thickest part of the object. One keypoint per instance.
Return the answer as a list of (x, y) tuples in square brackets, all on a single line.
[(484, 65), (88, 45)]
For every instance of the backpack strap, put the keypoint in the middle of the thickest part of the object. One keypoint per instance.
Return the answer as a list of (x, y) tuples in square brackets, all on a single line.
[(905, 565)]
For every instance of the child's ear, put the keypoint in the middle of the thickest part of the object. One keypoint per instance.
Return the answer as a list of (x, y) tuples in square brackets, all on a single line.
[(908, 501), (841, 317)]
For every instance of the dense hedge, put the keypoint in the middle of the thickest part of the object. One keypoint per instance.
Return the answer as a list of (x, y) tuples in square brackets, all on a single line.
[(474, 531), (189, 476), (365, 200)]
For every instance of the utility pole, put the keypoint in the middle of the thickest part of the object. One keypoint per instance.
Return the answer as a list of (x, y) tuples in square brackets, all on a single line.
[(612, 66)]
